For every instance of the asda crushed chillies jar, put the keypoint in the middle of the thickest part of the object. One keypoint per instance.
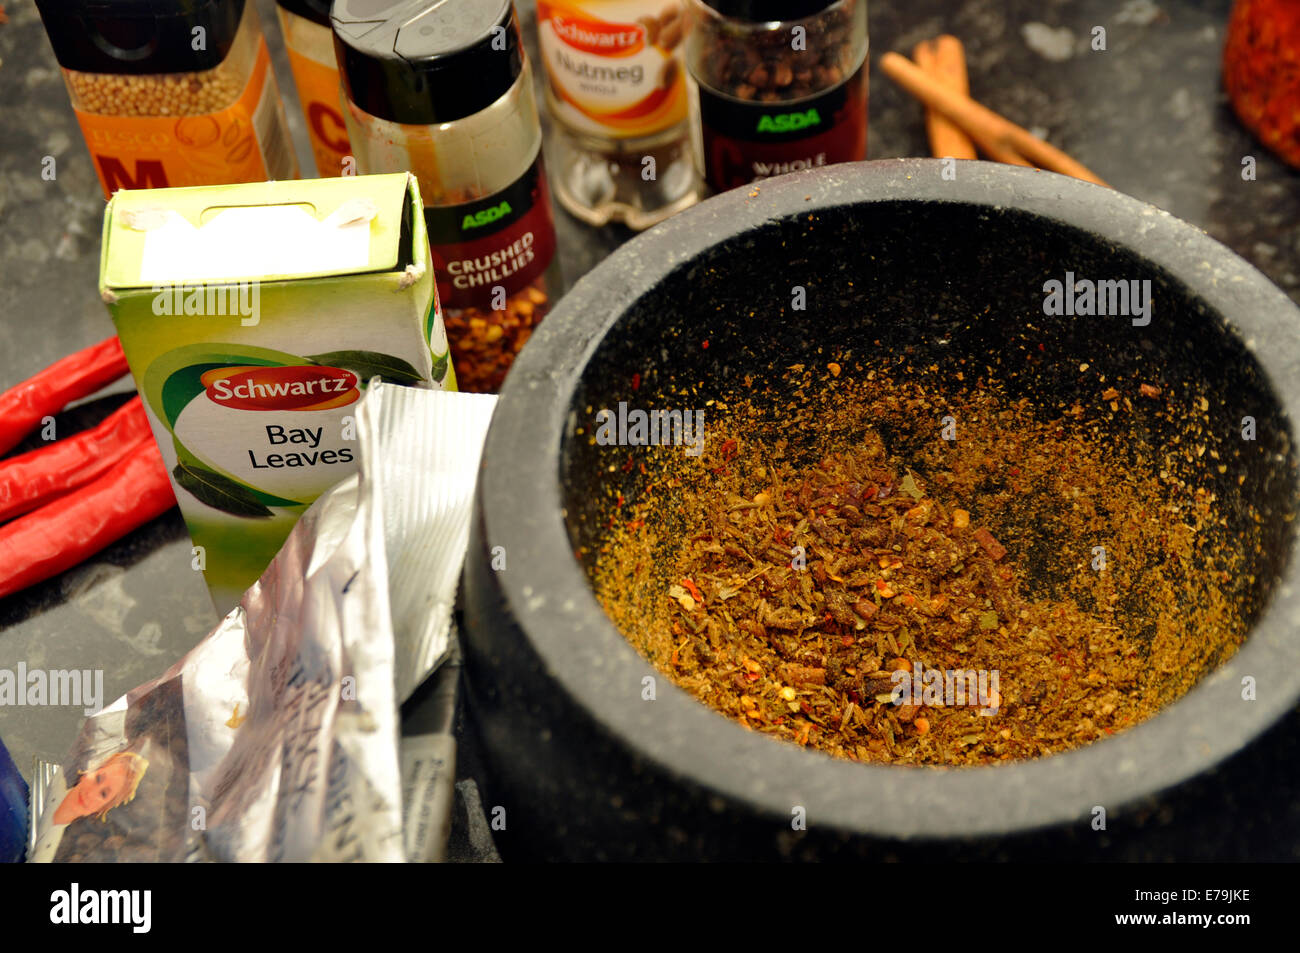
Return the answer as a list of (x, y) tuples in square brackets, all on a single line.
[(310, 44), (778, 86), (171, 92), (444, 89)]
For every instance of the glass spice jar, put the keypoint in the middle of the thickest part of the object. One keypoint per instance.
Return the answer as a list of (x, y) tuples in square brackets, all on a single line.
[(617, 91), (778, 86), (310, 44), (171, 93), (442, 88)]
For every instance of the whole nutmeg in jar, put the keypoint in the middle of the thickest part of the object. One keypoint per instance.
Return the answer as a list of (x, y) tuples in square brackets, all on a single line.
[(779, 86), (615, 87), (171, 93)]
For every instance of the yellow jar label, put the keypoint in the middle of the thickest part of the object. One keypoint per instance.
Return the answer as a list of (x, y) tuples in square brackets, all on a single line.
[(245, 142), (318, 91)]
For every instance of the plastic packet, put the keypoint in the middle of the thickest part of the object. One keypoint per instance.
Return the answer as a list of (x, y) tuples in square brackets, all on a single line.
[(276, 737)]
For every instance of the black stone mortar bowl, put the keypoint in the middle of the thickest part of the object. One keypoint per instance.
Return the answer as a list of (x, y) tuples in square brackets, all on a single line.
[(893, 258)]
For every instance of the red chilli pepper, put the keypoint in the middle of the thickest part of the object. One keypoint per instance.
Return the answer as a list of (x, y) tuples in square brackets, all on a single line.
[(78, 375), (33, 478), (74, 527)]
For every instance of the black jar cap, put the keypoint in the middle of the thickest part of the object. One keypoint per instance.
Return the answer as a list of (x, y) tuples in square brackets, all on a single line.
[(424, 61), (140, 36), (317, 11), (767, 11)]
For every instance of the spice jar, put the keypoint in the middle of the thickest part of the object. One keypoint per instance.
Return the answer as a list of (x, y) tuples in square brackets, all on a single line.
[(443, 89), (617, 91), (779, 86), (310, 43), (171, 93)]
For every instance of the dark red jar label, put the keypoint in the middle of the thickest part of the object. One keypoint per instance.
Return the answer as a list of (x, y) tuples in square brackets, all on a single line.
[(745, 141), (504, 239)]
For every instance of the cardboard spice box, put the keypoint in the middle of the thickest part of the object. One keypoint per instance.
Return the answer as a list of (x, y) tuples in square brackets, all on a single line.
[(253, 317)]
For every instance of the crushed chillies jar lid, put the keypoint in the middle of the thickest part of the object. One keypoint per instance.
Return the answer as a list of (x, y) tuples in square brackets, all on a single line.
[(141, 36), (424, 62)]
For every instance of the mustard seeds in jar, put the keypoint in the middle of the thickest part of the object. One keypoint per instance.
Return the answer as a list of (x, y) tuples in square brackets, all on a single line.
[(171, 94)]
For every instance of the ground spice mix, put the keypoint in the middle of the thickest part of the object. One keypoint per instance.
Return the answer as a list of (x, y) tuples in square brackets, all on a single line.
[(883, 594)]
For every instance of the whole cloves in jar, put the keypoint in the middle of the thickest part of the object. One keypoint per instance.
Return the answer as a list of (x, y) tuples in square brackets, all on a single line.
[(779, 86)]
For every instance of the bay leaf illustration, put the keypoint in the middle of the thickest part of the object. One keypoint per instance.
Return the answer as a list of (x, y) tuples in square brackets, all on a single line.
[(368, 364), (218, 491), (440, 365)]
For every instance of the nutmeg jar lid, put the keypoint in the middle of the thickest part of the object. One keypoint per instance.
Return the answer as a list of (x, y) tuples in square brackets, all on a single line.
[(141, 36), (317, 11), (769, 11), (426, 61)]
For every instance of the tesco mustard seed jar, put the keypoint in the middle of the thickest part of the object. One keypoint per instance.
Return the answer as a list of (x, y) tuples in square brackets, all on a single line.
[(778, 86), (442, 88), (171, 92)]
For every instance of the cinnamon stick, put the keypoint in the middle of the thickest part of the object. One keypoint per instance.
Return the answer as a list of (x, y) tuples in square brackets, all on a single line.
[(992, 132), (944, 58)]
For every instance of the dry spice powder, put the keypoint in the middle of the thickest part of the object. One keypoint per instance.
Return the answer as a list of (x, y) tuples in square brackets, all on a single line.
[(783, 580)]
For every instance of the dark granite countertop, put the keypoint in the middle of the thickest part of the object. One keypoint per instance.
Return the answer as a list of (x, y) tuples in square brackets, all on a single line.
[(1148, 115)]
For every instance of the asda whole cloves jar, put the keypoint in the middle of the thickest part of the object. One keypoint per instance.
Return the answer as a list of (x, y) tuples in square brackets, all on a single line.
[(171, 92), (778, 86), (444, 89), (310, 44)]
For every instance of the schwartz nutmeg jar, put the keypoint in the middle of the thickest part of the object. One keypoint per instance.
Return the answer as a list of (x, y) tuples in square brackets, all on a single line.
[(442, 88), (171, 92), (310, 43), (779, 86), (617, 90)]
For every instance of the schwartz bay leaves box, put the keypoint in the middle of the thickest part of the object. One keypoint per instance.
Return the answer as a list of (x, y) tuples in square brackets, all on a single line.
[(253, 316)]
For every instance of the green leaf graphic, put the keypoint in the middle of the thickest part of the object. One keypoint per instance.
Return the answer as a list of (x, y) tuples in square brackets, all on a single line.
[(219, 492), (368, 364), (440, 365)]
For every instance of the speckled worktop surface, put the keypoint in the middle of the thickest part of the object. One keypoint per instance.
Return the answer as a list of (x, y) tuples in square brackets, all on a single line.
[(1148, 115)]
